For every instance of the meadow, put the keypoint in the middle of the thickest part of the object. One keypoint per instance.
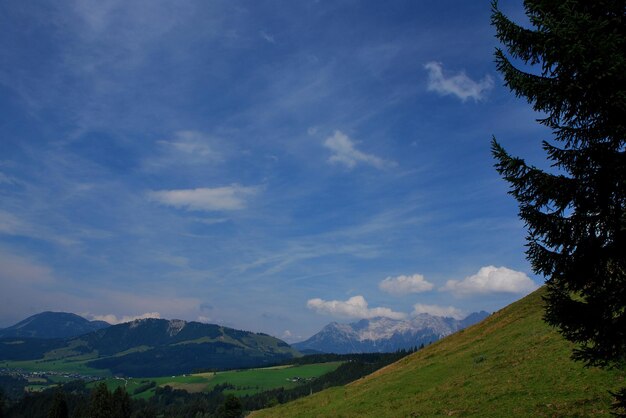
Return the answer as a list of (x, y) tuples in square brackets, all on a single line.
[(73, 365), (511, 364), (241, 382)]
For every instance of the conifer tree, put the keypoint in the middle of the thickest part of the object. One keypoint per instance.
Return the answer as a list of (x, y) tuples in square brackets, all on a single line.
[(574, 74), (1, 403), (101, 404), (121, 403), (59, 406)]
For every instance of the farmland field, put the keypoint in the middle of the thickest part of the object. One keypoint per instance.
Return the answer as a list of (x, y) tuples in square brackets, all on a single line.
[(73, 365), (245, 382)]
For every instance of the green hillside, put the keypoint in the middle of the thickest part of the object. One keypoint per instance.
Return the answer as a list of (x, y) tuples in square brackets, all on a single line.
[(511, 364), (147, 348)]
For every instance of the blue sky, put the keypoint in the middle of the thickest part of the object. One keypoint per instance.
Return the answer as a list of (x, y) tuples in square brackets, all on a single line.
[(270, 166)]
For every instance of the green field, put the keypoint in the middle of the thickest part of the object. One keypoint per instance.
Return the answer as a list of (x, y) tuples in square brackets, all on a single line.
[(75, 365), (246, 382), (511, 364)]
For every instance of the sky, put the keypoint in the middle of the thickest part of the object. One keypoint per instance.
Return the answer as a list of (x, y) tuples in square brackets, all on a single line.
[(269, 166)]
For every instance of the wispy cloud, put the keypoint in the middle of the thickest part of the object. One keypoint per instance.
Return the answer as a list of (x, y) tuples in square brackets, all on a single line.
[(25, 271), (11, 224), (5, 179), (269, 38), (459, 84), (492, 279), (402, 285), (185, 148), (355, 307), (344, 152), (226, 198), (436, 310), (189, 143)]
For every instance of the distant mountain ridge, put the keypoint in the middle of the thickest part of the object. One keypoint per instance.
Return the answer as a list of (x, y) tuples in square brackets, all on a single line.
[(154, 347), (384, 334), (52, 325)]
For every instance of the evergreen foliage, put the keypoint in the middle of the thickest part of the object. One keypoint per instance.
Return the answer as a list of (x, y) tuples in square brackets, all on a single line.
[(59, 407), (101, 405), (575, 212), (121, 403), (231, 408)]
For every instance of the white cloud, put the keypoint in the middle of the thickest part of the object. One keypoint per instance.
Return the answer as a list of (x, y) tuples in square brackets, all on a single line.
[(232, 197), (203, 319), (459, 85), (436, 310), (290, 337), (113, 319), (405, 284), (345, 152), (355, 307), (492, 279)]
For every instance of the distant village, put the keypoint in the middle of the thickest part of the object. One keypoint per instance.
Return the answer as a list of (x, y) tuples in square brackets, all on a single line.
[(44, 374)]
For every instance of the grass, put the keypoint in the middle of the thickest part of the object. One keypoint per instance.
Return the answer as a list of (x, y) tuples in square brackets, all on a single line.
[(246, 382), (511, 364), (257, 380), (75, 364)]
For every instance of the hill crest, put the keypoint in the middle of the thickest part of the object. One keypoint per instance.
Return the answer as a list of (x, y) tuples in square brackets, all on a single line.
[(50, 324)]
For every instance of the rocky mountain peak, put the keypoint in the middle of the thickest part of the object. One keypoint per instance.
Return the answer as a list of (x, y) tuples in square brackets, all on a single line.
[(384, 334)]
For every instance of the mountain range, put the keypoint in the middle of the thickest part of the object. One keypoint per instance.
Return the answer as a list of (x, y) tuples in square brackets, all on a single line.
[(52, 325), (151, 347), (384, 334)]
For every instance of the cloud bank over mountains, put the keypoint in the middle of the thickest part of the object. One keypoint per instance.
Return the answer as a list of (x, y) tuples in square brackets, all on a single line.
[(436, 310), (488, 280), (356, 307), (114, 320)]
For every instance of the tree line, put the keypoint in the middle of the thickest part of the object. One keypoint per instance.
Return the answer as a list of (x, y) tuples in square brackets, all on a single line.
[(76, 400)]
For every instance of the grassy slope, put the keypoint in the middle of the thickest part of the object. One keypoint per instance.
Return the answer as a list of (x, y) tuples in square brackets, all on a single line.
[(511, 364)]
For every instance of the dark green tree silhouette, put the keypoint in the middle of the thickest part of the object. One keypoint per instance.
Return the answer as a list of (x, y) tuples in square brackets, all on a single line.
[(231, 408), (574, 75), (101, 404), (2, 402), (59, 406), (121, 403)]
